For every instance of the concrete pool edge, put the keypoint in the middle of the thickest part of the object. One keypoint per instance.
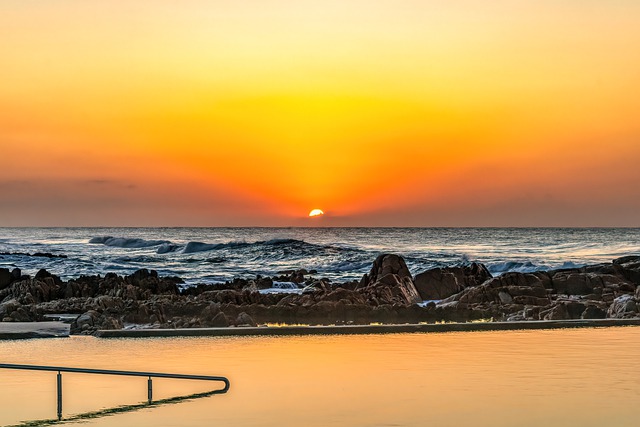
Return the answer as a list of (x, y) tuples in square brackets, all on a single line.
[(364, 329), (28, 330)]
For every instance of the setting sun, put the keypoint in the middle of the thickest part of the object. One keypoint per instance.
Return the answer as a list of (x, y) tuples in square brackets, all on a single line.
[(316, 212)]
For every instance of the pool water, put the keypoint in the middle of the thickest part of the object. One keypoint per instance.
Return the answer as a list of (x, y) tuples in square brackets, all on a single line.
[(586, 377)]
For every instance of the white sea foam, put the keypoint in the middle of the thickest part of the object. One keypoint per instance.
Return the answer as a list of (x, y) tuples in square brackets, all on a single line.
[(282, 288), (123, 242)]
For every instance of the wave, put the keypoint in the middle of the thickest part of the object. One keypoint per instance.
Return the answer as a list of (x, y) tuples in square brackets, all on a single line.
[(281, 241), (509, 266), (282, 288), (280, 244), (192, 247), (527, 267), (347, 266), (168, 247), (124, 242)]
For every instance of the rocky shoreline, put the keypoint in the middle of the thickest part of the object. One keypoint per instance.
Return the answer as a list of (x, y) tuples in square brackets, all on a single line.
[(388, 294)]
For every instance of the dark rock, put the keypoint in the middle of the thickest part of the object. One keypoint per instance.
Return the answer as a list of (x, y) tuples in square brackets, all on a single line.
[(593, 312), (573, 283), (390, 281), (5, 278), (437, 284), (264, 283), (244, 319), (557, 312), (48, 255), (8, 307), (21, 315), (575, 309), (220, 321), (623, 307), (519, 288), (440, 283), (626, 259), (384, 265), (87, 318)]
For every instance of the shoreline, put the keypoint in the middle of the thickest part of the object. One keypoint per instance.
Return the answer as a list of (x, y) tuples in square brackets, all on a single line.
[(438, 300), (365, 329)]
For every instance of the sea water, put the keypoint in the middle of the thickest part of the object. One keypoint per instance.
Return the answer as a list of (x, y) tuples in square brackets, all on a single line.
[(210, 255), (575, 377)]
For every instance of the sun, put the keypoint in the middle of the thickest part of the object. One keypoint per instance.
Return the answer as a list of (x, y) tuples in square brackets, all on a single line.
[(316, 213)]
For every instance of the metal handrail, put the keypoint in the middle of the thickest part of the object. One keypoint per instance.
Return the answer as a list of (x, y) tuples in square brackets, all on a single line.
[(149, 375)]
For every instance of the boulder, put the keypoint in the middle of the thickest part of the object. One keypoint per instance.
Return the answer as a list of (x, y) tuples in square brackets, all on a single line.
[(440, 283), (86, 320), (557, 312), (623, 307), (383, 265), (509, 288), (390, 280), (592, 311), (8, 307), (244, 319), (629, 268), (219, 321), (626, 259), (5, 278)]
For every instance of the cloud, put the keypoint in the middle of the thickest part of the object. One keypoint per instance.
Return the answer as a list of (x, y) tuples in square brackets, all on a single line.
[(108, 183)]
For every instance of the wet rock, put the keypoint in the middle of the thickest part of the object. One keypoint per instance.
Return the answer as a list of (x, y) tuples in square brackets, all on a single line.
[(264, 282), (43, 274), (345, 295), (220, 321), (5, 278), (505, 298), (86, 319), (627, 259), (21, 314), (8, 307), (593, 312), (110, 323), (557, 312), (622, 307), (518, 288), (244, 319), (32, 290), (440, 283), (389, 281), (574, 283), (384, 265)]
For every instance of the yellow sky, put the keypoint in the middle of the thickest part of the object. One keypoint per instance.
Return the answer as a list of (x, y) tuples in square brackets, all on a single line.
[(380, 113)]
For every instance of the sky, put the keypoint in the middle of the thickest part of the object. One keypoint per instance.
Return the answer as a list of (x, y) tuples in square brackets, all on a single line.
[(385, 113)]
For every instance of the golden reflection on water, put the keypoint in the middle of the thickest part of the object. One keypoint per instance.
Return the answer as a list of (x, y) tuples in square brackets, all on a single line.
[(586, 377)]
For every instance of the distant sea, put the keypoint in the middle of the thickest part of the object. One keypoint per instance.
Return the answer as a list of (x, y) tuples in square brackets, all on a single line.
[(211, 255)]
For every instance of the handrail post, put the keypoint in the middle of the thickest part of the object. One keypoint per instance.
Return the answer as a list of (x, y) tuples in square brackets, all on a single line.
[(59, 396), (149, 390)]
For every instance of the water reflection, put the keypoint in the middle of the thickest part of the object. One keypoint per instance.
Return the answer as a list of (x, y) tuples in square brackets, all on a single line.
[(116, 410), (586, 377)]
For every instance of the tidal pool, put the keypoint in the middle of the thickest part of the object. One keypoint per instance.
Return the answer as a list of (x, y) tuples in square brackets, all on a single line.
[(586, 377)]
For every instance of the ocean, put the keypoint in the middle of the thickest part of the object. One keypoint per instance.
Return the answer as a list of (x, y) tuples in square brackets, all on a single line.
[(213, 255)]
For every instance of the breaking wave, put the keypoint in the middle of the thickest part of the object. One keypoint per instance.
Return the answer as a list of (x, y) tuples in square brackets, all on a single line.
[(123, 242)]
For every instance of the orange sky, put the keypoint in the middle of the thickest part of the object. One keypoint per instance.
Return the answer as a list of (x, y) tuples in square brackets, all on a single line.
[(395, 113)]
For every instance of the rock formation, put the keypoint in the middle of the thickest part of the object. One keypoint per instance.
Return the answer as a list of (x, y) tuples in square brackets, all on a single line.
[(387, 294)]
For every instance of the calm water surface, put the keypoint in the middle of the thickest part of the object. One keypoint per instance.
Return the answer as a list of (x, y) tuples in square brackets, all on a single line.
[(587, 377)]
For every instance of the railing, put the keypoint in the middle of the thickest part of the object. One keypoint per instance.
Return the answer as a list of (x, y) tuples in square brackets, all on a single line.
[(149, 375)]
